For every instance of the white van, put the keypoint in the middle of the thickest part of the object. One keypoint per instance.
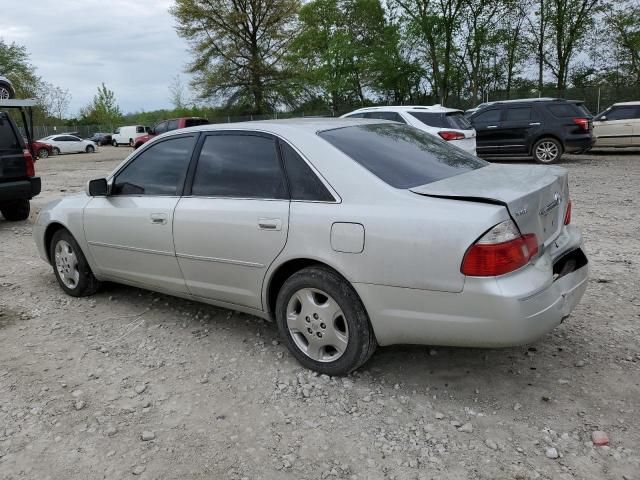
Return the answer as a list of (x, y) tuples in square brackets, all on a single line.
[(128, 135)]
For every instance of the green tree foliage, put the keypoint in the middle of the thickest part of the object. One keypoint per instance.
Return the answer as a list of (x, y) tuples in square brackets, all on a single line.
[(623, 27), (238, 47), (103, 109), (16, 66)]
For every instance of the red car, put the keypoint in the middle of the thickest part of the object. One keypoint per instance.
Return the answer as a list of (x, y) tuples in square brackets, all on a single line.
[(42, 150), (169, 125)]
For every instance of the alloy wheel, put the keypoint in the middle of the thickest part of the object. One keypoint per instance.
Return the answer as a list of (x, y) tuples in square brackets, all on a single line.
[(317, 325), (67, 264), (547, 152), (4, 94)]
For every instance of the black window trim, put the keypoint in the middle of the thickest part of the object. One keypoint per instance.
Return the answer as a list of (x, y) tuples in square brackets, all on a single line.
[(191, 171), (180, 192)]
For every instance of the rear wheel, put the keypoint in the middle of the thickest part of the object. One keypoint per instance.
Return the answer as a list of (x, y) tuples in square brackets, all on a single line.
[(56, 151), (90, 149), (16, 210), (5, 93), (43, 153), (70, 266), (114, 143), (131, 142), (547, 150), (323, 322)]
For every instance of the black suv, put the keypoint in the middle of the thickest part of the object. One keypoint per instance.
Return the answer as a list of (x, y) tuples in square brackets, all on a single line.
[(542, 128), (18, 183)]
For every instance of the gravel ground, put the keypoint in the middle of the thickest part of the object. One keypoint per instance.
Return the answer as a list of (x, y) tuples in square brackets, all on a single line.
[(132, 383)]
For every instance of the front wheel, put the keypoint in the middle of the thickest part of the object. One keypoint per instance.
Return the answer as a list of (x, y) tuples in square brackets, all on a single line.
[(90, 149), (547, 151), (56, 151), (323, 322), (70, 266), (16, 210), (114, 143), (43, 153)]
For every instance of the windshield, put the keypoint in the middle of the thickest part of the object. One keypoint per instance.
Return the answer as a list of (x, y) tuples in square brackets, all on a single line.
[(443, 120), (400, 155)]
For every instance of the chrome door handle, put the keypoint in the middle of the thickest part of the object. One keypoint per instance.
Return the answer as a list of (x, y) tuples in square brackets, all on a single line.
[(159, 218), (534, 123), (492, 126), (270, 224)]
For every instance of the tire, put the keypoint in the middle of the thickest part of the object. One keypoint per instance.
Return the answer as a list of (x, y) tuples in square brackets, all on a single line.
[(70, 266), (131, 142), (90, 149), (16, 210), (56, 151), (547, 151), (43, 153), (5, 92), (114, 143), (323, 322)]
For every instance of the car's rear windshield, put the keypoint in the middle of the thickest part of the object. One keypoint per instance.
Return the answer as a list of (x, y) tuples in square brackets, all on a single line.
[(400, 155), (9, 142), (443, 120), (569, 109)]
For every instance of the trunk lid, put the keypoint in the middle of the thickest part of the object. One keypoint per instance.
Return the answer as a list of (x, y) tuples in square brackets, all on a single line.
[(536, 196)]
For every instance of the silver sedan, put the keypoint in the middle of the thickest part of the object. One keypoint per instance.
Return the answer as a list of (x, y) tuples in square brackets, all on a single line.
[(347, 233)]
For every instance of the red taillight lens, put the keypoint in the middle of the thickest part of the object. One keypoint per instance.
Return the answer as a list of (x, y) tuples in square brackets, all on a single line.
[(28, 163), (583, 123), (567, 214), (448, 135), (489, 256)]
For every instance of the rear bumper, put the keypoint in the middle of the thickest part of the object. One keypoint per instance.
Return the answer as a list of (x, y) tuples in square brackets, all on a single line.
[(20, 190), (579, 144), (510, 310)]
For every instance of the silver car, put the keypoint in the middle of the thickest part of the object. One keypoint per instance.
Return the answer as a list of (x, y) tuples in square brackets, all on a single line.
[(348, 233), (6, 89)]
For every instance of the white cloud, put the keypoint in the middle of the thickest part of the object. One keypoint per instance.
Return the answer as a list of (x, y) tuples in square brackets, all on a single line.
[(130, 45)]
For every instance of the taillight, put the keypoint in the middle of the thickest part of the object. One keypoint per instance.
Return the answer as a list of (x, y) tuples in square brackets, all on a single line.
[(501, 250), (583, 123), (28, 163), (449, 135), (567, 213)]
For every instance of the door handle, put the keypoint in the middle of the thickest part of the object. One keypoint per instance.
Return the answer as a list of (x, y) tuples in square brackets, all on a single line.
[(492, 126), (534, 123), (270, 224), (159, 218)]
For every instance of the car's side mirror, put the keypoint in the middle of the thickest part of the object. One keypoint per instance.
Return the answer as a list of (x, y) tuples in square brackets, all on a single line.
[(603, 118), (98, 187)]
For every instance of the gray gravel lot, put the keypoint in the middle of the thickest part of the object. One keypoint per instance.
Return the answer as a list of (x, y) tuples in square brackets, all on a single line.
[(132, 384)]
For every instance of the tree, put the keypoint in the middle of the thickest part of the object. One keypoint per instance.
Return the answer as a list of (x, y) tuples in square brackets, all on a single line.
[(177, 93), (53, 100), (103, 110), (623, 24), (433, 26), (238, 47)]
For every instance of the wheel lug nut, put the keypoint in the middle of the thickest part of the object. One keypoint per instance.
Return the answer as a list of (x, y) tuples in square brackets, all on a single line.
[(307, 319), (315, 315), (309, 330), (323, 326), (319, 334)]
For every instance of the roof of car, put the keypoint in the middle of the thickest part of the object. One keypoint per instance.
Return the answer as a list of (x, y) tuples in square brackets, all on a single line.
[(621, 104), (310, 125), (407, 108)]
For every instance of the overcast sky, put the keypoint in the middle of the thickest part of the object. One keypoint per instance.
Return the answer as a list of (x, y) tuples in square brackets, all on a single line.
[(130, 45)]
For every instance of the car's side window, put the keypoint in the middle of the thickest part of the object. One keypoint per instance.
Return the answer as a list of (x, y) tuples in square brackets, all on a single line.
[(393, 116), (173, 125), (239, 166), (621, 113), (356, 115), (518, 114), (488, 116), (304, 184), (160, 128), (139, 129), (158, 170)]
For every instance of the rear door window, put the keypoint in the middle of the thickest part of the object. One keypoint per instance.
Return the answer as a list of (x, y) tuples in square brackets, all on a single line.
[(518, 114), (402, 156), (239, 166), (161, 128), (458, 121), (192, 122), (173, 125)]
